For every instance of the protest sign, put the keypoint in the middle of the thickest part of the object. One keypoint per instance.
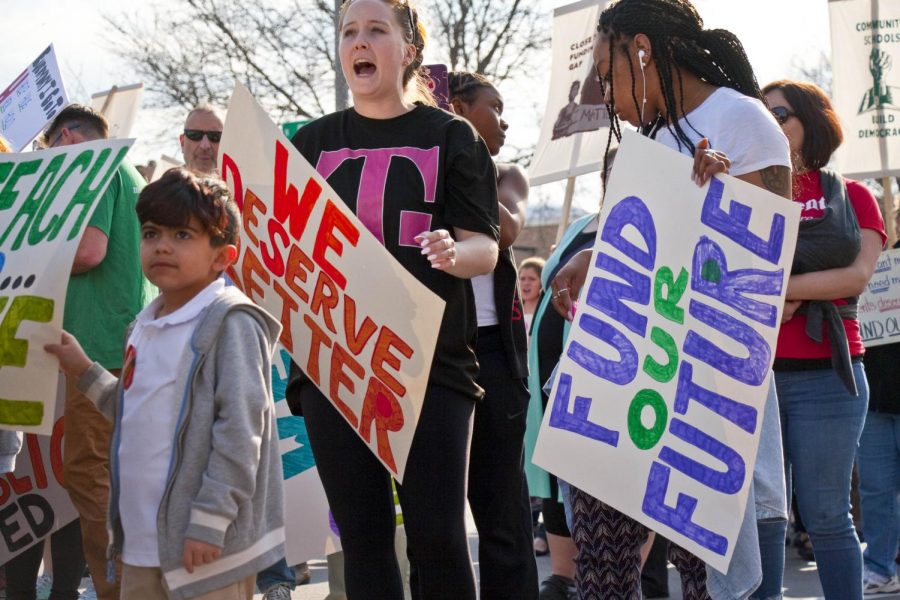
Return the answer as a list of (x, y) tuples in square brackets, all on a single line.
[(32, 100), (46, 201), (33, 501), (576, 124), (658, 399), (360, 326), (163, 164), (307, 525), (879, 305), (120, 106), (865, 36)]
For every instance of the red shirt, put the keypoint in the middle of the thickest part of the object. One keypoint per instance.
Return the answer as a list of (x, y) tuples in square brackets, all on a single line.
[(792, 339)]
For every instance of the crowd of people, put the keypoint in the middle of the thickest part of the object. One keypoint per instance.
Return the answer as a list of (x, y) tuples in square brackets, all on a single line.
[(171, 451)]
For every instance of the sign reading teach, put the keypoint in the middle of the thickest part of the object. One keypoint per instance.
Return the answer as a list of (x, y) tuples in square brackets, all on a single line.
[(657, 404), (357, 323), (46, 201)]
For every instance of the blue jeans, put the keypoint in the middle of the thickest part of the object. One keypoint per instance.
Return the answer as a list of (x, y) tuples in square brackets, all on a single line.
[(821, 424), (279, 573), (878, 461)]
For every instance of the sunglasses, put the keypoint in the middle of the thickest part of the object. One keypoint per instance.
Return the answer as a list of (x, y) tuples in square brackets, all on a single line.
[(59, 135), (195, 135), (782, 114)]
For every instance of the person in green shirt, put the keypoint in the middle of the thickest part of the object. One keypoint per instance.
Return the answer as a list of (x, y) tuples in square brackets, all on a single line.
[(106, 291)]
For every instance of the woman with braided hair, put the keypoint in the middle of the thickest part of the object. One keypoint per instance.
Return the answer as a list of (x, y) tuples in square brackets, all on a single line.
[(692, 90)]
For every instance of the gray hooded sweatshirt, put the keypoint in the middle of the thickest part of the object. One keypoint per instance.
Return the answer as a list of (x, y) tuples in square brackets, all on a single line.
[(225, 479)]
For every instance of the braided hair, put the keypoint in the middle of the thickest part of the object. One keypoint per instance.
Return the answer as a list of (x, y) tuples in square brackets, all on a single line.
[(466, 86), (677, 39)]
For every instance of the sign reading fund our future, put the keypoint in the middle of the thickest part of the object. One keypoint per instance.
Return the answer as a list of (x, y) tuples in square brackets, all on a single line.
[(359, 325), (46, 201), (658, 398)]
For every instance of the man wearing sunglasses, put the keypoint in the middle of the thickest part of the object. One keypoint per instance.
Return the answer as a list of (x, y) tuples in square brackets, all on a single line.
[(105, 293), (200, 139)]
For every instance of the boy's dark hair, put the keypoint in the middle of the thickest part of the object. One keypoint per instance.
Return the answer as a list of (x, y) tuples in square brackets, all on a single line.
[(821, 127), (178, 195), (678, 39), (93, 124), (466, 86)]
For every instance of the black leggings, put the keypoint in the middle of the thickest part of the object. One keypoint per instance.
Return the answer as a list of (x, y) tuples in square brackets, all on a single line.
[(68, 566), (432, 497)]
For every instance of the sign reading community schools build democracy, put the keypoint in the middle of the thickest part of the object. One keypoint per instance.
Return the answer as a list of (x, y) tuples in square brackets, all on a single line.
[(657, 402), (360, 326)]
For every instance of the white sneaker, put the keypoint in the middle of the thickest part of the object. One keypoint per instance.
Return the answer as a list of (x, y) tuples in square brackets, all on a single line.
[(873, 583), (278, 591), (89, 592), (43, 586)]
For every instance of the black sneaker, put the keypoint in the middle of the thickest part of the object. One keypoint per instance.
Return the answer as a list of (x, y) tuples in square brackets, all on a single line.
[(557, 587)]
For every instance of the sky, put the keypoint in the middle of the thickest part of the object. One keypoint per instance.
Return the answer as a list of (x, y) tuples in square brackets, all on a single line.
[(779, 36)]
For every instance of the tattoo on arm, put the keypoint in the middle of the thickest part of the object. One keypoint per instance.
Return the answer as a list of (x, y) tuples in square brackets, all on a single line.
[(777, 179)]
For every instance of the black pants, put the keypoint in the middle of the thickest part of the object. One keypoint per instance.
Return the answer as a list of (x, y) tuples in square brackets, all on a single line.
[(68, 566), (432, 497), (498, 494)]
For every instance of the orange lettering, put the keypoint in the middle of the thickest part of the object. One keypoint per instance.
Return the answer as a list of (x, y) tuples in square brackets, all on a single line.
[(381, 407), (356, 340), (288, 305), (333, 219), (248, 216), (249, 267), (286, 205), (319, 338), (382, 355), (339, 359), (325, 302), (298, 265)]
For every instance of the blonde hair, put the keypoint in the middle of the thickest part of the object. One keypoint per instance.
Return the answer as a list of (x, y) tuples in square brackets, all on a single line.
[(407, 17)]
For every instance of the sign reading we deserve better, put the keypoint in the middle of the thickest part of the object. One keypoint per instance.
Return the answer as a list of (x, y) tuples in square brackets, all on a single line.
[(46, 201), (657, 403), (359, 325), (879, 305), (31, 100)]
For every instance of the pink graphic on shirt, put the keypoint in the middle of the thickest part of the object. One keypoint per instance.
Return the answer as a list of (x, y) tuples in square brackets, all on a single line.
[(371, 196)]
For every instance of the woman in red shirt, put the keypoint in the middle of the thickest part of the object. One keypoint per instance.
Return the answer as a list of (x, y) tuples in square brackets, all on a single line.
[(822, 388)]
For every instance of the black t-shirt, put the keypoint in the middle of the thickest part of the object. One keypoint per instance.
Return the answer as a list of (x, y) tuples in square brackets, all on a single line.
[(550, 330), (421, 171)]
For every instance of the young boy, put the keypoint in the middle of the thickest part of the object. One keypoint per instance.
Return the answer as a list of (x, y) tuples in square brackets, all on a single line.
[(196, 506)]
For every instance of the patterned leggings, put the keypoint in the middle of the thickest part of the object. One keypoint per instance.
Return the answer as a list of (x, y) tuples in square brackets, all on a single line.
[(608, 564)]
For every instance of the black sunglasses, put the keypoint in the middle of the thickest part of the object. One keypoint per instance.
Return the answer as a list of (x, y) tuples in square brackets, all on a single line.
[(195, 135), (782, 114)]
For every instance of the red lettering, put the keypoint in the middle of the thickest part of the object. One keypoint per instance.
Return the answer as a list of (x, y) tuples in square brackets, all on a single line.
[(229, 167), (382, 355), (248, 216), (5, 492), (288, 305), (298, 266), (249, 267), (37, 461), (20, 485), (319, 338), (356, 340), (325, 239), (325, 302), (56, 449), (381, 408), (286, 205), (274, 262), (340, 358)]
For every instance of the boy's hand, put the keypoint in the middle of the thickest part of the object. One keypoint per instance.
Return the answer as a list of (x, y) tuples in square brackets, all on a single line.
[(197, 553), (72, 359)]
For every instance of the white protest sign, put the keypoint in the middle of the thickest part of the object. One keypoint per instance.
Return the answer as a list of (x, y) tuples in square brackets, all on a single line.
[(360, 326), (658, 400), (576, 124), (33, 501), (163, 164), (307, 524), (865, 37), (46, 201), (32, 100), (120, 106), (879, 305)]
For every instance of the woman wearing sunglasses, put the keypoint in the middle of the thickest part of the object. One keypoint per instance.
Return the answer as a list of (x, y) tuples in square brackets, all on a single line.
[(822, 388)]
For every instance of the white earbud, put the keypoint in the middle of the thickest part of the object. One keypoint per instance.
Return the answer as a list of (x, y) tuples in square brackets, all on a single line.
[(641, 55)]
